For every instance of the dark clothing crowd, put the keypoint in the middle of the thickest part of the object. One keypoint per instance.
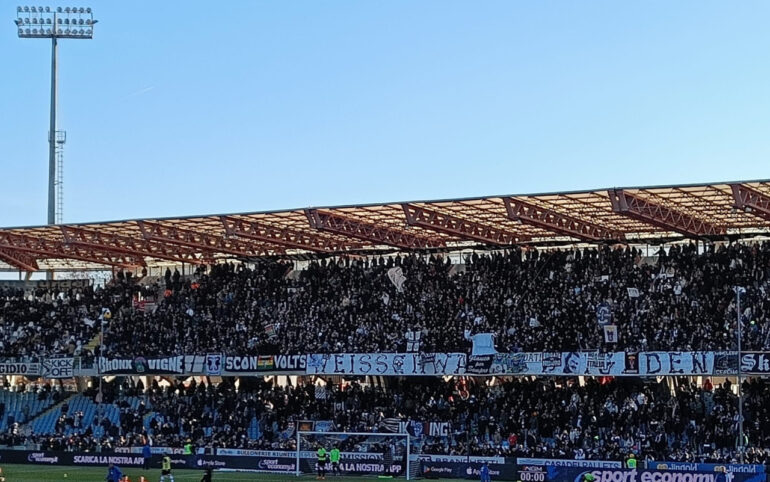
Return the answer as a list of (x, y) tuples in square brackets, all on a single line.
[(603, 418), (682, 298)]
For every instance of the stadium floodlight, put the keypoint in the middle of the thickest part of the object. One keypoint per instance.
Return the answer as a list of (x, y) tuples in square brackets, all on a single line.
[(56, 17)]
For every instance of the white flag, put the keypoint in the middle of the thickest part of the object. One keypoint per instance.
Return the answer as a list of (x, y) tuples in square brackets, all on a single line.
[(633, 293), (396, 276), (483, 344), (610, 333)]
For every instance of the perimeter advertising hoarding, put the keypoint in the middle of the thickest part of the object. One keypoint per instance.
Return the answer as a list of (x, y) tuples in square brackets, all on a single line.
[(576, 474), (706, 467), (467, 470), (128, 461)]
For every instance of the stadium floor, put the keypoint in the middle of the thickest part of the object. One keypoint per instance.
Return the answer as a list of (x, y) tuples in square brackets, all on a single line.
[(14, 473)]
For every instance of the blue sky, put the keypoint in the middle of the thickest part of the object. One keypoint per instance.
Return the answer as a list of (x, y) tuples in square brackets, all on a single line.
[(192, 107)]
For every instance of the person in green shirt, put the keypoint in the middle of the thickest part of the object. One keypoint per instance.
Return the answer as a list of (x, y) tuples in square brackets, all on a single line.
[(188, 448), (165, 469), (335, 458), (321, 455), (631, 462)]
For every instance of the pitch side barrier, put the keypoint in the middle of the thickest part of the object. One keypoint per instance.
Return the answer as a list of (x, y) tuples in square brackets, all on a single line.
[(576, 474), (431, 466), (544, 470)]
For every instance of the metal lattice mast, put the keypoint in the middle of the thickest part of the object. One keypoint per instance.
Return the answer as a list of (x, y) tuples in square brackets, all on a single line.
[(55, 23), (61, 138)]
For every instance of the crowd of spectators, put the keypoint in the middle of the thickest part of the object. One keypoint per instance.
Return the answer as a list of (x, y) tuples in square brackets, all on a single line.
[(534, 300), (605, 419)]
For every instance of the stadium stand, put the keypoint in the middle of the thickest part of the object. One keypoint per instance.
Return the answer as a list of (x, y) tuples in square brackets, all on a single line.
[(353, 297), (602, 419), (531, 301)]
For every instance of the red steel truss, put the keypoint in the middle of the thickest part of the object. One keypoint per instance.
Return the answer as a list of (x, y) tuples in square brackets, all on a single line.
[(639, 208), (556, 222), (201, 241), (18, 259), (112, 242), (463, 228), (369, 231), (751, 201), (628, 215), (291, 238), (51, 249)]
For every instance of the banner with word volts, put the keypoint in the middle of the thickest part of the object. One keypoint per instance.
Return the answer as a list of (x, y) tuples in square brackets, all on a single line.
[(240, 365)]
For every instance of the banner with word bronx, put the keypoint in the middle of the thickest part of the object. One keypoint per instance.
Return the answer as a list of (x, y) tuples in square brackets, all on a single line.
[(652, 363)]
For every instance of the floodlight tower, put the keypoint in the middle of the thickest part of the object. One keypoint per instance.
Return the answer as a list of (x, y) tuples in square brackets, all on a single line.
[(54, 23)]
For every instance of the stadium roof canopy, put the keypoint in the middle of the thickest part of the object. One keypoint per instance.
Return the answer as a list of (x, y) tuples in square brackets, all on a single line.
[(632, 215)]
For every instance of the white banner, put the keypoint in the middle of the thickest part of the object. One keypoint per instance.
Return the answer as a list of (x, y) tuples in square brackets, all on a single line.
[(58, 368), (406, 364), (610, 333), (23, 368), (557, 364), (396, 276)]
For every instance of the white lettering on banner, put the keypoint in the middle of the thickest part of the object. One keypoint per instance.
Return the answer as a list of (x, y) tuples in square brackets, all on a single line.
[(405, 364), (273, 363), (755, 363), (475, 459), (594, 363), (106, 365), (172, 364), (42, 458), (20, 369), (154, 450), (58, 368), (603, 464), (106, 460), (304, 454), (439, 429), (648, 476), (256, 453), (166, 364)]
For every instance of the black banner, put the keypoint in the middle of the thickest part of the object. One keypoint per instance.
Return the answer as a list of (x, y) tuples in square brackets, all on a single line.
[(264, 363), (479, 365), (725, 363), (171, 365), (128, 461), (469, 470), (755, 363)]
